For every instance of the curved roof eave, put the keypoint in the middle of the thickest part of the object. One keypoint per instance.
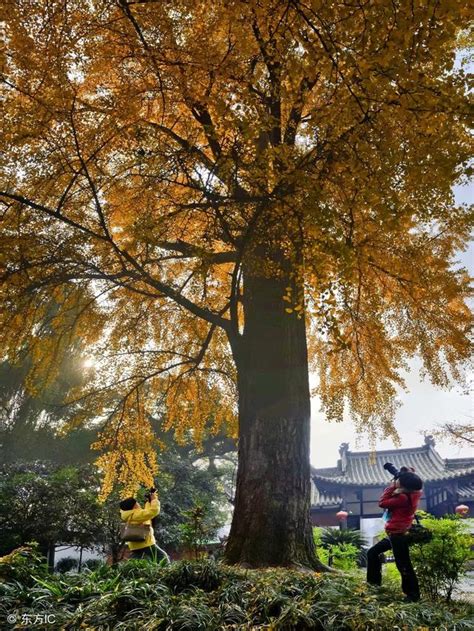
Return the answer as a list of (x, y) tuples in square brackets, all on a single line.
[(450, 475)]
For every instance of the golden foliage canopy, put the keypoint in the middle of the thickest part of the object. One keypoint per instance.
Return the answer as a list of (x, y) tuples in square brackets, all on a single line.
[(147, 144)]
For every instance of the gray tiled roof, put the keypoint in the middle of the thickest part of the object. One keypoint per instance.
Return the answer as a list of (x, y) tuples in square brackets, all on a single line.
[(459, 463), (466, 491), (326, 500), (366, 468)]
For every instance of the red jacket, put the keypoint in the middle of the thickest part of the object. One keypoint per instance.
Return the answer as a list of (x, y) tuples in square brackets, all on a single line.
[(401, 507)]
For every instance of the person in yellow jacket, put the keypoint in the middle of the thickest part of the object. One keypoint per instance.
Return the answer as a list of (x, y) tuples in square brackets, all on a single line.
[(130, 510)]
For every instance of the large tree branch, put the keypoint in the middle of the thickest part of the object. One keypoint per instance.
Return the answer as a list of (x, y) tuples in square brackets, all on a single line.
[(128, 13), (93, 188), (296, 112), (165, 289), (332, 54), (274, 68), (202, 115), (215, 168), (184, 143), (56, 214), (198, 110), (193, 251)]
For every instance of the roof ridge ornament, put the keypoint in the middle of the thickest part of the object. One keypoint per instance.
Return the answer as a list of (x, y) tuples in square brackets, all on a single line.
[(430, 441), (343, 451)]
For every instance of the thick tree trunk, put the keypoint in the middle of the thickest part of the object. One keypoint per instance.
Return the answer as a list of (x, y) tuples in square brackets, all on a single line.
[(271, 522)]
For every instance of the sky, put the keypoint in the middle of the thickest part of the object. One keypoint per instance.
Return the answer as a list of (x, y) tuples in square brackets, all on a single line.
[(423, 406)]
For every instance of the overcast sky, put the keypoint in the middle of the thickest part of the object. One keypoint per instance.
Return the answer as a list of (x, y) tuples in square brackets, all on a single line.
[(423, 406)]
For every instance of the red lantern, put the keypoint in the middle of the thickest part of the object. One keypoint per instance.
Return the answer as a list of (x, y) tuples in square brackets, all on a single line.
[(342, 515), (462, 510)]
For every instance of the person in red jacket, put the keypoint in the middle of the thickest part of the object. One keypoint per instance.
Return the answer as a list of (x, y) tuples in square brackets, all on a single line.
[(400, 501)]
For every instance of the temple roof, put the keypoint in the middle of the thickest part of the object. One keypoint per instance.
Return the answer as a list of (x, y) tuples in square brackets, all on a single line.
[(365, 468), (326, 500), (466, 491)]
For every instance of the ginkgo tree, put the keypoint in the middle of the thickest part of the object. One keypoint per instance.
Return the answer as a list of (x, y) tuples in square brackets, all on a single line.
[(208, 190)]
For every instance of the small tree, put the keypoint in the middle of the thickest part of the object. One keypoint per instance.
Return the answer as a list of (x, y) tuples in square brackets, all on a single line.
[(48, 504), (198, 529), (441, 563), (181, 486)]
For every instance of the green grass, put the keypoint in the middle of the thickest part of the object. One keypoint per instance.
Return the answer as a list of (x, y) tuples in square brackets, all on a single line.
[(205, 596)]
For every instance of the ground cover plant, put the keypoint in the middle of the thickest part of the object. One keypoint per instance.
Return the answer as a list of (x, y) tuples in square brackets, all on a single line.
[(208, 596)]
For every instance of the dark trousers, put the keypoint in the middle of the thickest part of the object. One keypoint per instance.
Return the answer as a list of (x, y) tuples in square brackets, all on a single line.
[(152, 553), (401, 552)]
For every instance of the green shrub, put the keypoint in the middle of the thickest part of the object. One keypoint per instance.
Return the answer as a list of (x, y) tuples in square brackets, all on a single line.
[(336, 550), (22, 563), (441, 563), (344, 556), (198, 529), (206, 575), (337, 536), (93, 564), (323, 555), (66, 564)]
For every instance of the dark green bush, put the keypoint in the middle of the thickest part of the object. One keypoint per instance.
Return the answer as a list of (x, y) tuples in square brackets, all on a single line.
[(93, 564), (66, 564)]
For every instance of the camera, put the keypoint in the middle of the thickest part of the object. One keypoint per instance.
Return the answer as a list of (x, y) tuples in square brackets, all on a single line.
[(388, 466), (149, 493)]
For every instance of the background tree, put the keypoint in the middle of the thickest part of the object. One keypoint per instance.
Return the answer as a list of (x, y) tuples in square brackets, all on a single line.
[(198, 188), (461, 434), (47, 504), (181, 487), (52, 504), (109, 540), (198, 529), (32, 402)]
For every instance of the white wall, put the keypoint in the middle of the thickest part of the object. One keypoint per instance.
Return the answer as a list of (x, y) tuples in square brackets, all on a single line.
[(62, 552)]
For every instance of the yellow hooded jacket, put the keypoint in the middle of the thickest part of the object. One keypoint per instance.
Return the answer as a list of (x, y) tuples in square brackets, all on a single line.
[(142, 516)]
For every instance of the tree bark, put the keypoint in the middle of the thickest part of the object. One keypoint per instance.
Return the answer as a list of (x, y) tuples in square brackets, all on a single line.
[(51, 554), (271, 522)]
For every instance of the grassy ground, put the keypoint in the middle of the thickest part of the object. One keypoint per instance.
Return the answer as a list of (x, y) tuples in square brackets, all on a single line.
[(209, 597)]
